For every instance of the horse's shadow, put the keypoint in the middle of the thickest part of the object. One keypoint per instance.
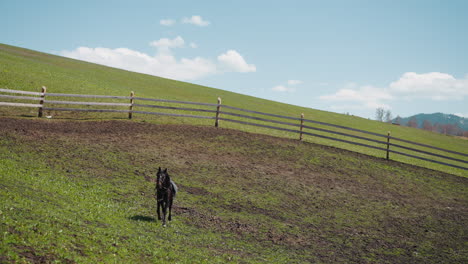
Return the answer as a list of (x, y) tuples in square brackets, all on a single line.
[(142, 218)]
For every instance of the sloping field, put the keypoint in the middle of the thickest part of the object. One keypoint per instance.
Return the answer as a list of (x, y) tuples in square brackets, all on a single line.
[(82, 192), (22, 69)]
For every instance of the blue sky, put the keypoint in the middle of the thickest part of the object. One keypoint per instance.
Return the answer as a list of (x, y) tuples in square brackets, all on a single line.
[(342, 56)]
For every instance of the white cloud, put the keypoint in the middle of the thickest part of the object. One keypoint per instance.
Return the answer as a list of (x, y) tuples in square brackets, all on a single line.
[(359, 107), (166, 43), (294, 82), (435, 86), (167, 22), (364, 97), (281, 88), (164, 63), (195, 20), (193, 45), (361, 94), (233, 61)]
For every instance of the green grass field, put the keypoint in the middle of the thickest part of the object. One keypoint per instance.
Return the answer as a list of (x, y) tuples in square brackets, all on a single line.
[(82, 192), (79, 188), (22, 69)]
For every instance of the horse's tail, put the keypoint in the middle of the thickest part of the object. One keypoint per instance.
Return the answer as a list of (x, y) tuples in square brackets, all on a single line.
[(174, 187)]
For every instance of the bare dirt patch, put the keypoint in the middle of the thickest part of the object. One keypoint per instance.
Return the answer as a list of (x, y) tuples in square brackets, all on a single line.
[(29, 254)]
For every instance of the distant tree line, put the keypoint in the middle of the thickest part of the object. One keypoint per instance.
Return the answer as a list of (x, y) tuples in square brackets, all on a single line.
[(447, 129), (383, 115)]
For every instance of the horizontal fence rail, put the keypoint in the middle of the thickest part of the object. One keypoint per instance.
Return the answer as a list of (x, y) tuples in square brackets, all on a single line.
[(20, 104), (175, 108), (427, 146), (427, 153), (298, 125), (20, 92), (305, 120), (85, 103), (88, 96), (220, 111), (20, 97), (173, 101), (178, 115), (430, 160), (296, 131), (85, 110)]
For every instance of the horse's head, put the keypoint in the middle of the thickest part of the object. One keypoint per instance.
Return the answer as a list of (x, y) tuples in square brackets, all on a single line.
[(162, 178)]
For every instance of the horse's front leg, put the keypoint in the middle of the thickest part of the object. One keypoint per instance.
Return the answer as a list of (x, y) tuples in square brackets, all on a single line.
[(158, 206), (164, 210)]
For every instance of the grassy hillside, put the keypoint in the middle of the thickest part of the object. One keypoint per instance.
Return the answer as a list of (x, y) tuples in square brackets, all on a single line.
[(82, 192), (23, 69)]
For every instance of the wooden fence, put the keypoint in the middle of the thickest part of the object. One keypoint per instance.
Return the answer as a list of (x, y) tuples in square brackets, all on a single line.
[(219, 113)]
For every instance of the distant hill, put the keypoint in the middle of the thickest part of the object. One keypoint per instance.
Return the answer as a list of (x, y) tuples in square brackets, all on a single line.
[(436, 118)]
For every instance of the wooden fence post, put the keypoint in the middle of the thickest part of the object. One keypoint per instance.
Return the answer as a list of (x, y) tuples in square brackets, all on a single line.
[(302, 126), (44, 89), (388, 145), (217, 112), (132, 94)]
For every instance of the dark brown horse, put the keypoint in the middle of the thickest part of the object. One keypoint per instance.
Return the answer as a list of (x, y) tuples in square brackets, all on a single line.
[(165, 192)]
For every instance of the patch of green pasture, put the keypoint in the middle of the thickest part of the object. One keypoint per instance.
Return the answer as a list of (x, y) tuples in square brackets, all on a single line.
[(90, 193), (88, 206), (66, 218)]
